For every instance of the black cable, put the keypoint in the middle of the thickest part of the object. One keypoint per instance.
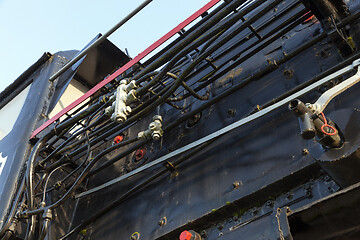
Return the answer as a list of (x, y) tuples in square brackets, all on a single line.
[(133, 190), (177, 83), (82, 176), (12, 212), (251, 53), (227, 24), (61, 148), (163, 97), (179, 54), (191, 38), (198, 25)]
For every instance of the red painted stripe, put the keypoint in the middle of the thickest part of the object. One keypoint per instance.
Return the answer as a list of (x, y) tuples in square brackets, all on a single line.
[(127, 65)]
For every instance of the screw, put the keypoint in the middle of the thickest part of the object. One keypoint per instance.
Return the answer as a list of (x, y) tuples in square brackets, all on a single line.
[(157, 117), (192, 121), (162, 222), (254, 210), (156, 136), (288, 73), (288, 195), (231, 112), (236, 185), (58, 184), (83, 232), (269, 203), (305, 151)]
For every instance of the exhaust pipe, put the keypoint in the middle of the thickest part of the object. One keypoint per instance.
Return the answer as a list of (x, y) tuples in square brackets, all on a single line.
[(303, 113)]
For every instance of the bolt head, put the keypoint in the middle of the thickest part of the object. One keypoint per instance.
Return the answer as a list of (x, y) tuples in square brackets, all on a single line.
[(127, 110), (254, 210), (123, 81), (121, 119), (152, 126), (157, 117), (269, 203), (156, 136), (162, 222), (231, 112), (305, 151)]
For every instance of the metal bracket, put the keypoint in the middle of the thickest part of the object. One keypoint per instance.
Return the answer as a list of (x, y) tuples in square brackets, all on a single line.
[(281, 224)]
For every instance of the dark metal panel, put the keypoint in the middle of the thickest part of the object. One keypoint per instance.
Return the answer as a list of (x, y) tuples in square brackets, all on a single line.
[(256, 156), (333, 217), (15, 146), (22, 81), (99, 62)]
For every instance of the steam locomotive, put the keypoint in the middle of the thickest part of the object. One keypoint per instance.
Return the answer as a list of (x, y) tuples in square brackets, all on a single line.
[(246, 126)]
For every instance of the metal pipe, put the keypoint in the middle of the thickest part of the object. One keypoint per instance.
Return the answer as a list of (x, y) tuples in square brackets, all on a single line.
[(250, 54), (12, 213), (159, 101), (99, 40), (119, 200), (245, 39), (304, 115), (178, 50), (116, 128), (45, 229), (187, 33)]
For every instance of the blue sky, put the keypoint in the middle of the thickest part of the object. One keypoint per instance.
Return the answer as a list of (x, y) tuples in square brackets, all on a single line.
[(30, 28)]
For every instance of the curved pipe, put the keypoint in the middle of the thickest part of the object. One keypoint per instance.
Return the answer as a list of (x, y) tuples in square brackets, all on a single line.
[(304, 115), (7, 235), (7, 223), (44, 229)]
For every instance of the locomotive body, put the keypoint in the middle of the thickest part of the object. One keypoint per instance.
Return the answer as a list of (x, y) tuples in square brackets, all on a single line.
[(244, 127)]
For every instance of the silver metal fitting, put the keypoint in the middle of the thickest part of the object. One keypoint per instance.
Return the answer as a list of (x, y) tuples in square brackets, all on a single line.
[(313, 107), (125, 94), (47, 214), (131, 97), (155, 131)]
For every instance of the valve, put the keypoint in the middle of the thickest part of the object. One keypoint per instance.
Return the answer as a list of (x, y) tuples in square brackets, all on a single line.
[(125, 94), (155, 129), (316, 125)]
